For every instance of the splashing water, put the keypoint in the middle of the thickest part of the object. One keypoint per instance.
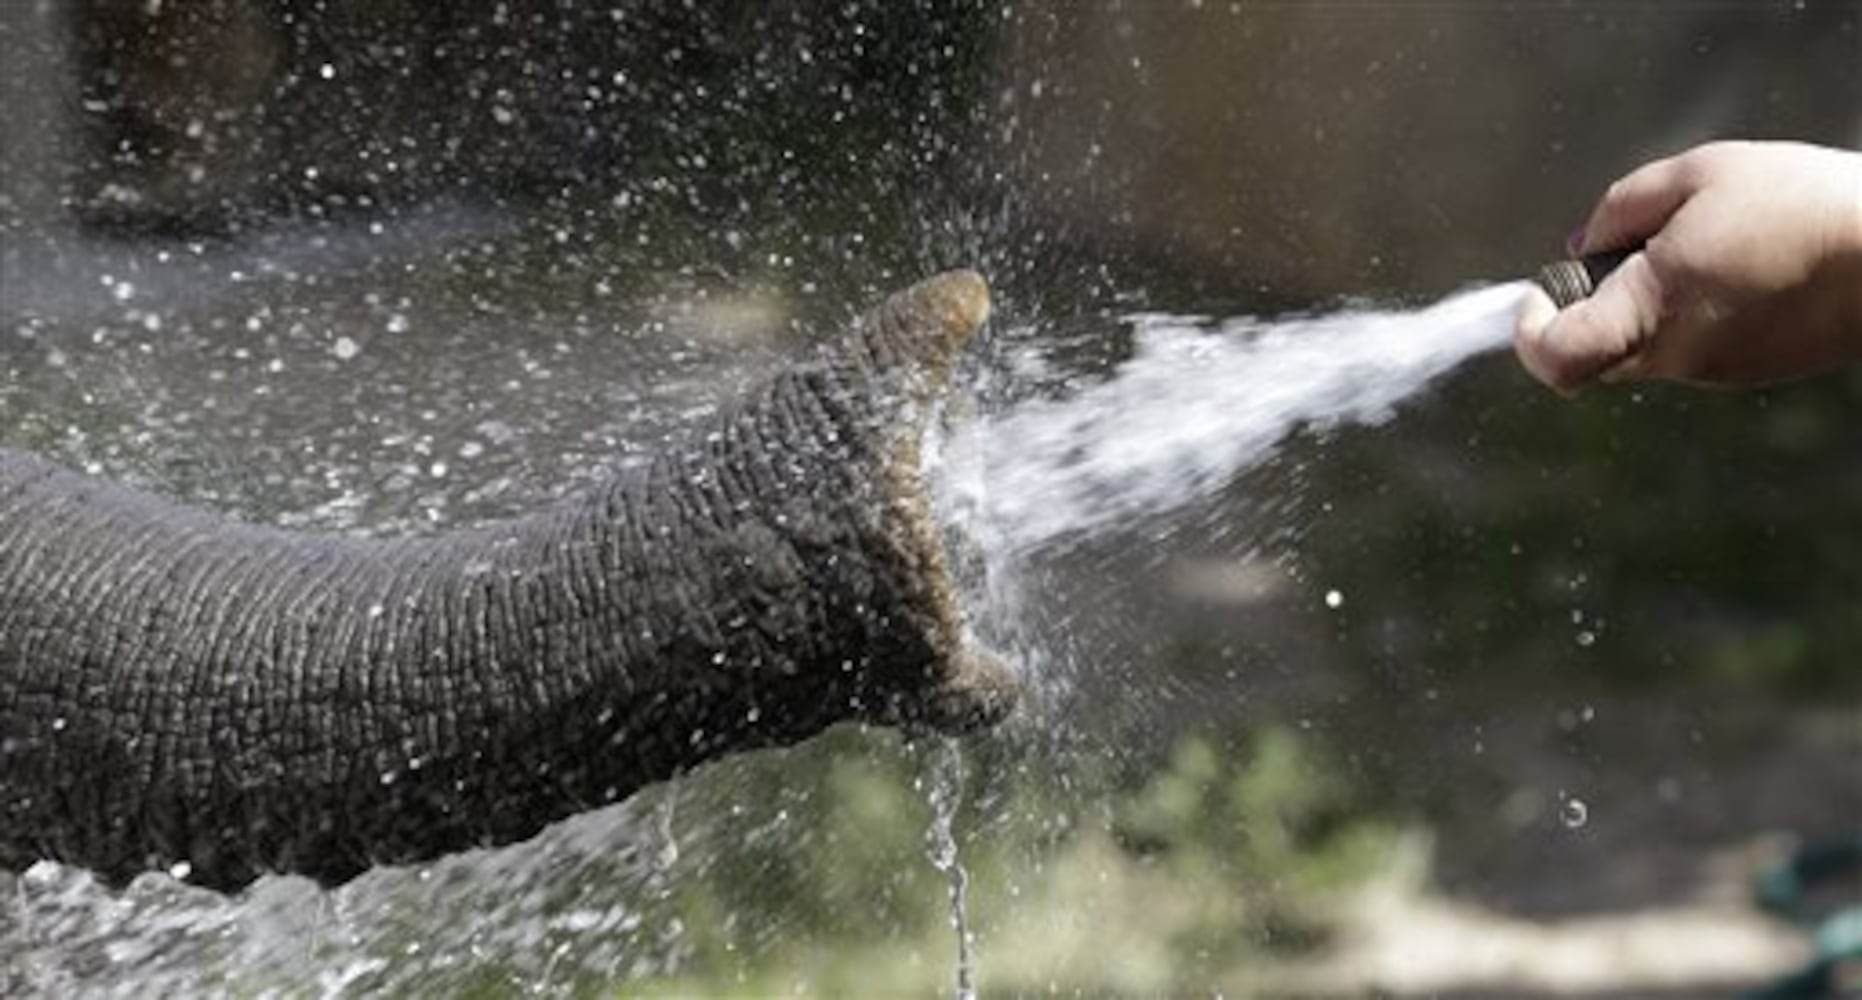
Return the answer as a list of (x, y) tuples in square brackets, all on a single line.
[(944, 793), (1197, 404)]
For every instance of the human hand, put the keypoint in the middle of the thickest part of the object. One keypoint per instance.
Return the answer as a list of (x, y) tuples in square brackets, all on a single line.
[(1750, 271)]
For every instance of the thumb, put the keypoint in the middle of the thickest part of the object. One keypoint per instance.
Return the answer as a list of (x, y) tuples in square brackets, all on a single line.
[(1596, 334), (1535, 315), (1637, 206)]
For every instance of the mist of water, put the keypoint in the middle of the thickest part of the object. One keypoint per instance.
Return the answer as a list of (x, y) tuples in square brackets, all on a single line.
[(1199, 402)]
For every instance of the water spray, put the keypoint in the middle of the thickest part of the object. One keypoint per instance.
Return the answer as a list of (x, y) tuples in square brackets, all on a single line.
[(1200, 401)]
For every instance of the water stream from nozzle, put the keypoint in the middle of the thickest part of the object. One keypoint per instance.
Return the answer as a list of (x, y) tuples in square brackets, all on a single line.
[(1199, 402)]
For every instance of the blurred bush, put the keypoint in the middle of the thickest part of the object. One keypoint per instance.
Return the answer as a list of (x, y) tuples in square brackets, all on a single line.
[(1206, 870)]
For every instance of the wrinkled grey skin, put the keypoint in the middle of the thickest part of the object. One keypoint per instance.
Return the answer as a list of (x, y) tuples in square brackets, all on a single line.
[(178, 686)]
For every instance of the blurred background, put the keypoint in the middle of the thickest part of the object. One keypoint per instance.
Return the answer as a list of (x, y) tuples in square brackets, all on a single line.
[(393, 266)]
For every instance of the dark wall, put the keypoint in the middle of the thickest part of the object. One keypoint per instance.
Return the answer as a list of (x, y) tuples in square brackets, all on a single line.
[(1307, 149), (1331, 148), (201, 113)]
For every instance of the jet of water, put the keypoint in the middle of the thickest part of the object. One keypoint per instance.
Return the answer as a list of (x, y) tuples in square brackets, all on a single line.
[(1196, 405)]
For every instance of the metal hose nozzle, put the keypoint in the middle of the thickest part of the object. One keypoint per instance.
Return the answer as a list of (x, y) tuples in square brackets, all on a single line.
[(1569, 281)]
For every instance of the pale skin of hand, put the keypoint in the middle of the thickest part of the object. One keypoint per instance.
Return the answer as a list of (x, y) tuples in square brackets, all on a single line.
[(1750, 272)]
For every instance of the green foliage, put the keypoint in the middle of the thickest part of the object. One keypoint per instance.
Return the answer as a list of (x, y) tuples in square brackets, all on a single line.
[(1638, 535), (1272, 816), (1224, 858)]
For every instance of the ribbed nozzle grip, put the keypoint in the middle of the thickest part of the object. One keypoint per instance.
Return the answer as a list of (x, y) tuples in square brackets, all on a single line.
[(1569, 281)]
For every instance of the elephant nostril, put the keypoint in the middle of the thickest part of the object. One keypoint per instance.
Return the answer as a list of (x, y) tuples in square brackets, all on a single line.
[(980, 692), (991, 686)]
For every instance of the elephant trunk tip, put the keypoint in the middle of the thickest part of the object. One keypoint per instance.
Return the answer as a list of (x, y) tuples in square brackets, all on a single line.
[(980, 691), (933, 320), (989, 689), (959, 300)]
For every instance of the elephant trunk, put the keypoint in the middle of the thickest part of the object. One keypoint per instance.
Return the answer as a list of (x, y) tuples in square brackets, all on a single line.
[(181, 689)]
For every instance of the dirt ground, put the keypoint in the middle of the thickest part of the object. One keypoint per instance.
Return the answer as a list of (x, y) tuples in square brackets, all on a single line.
[(1650, 891)]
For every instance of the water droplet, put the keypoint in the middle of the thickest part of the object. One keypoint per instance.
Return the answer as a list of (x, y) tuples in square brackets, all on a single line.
[(327, 71), (1573, 813), (1587, 638), (1334, 599), (345, 348), (1668, 790), (180, 870)]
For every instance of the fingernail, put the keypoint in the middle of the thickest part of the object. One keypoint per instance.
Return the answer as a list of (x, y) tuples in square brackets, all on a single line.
[(1575, 242)]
